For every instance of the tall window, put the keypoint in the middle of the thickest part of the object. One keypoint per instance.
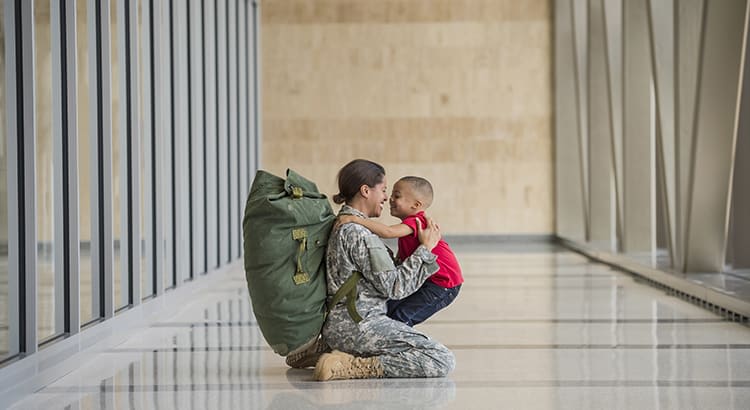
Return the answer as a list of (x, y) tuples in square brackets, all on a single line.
[(46, 281), (4, 289), (89, 293), (119, 205), (147, 279)]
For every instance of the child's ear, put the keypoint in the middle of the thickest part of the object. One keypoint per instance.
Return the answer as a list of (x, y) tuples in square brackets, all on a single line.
[(417, 204)]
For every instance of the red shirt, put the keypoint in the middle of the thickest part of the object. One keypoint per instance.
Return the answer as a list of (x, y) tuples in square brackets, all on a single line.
[(449, 274)]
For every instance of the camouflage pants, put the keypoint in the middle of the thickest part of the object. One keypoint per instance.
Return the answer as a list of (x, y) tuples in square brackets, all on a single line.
[(402, 350)]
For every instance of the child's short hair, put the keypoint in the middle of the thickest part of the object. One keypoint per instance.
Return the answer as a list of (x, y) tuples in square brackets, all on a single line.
[(421, 187)]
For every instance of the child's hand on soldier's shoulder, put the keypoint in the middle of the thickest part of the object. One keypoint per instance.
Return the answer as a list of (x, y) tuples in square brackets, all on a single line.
[(344, 219)]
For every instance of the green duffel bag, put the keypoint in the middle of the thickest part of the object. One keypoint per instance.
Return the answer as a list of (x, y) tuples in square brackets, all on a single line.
[(285, 229)]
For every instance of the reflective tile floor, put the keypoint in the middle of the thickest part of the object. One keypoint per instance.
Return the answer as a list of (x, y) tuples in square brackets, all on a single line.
[(535, 327)]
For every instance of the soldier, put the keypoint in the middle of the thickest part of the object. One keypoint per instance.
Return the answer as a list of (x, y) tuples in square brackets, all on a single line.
[(376, 346), (410, 198)]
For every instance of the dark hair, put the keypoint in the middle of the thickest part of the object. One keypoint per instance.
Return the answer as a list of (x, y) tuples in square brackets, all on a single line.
[(355, 174), (422, 187)]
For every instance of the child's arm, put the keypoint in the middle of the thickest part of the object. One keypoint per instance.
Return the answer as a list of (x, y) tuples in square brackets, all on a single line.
[(381, 230)]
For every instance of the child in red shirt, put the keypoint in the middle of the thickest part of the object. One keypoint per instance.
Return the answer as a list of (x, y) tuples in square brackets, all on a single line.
[(410, 197)]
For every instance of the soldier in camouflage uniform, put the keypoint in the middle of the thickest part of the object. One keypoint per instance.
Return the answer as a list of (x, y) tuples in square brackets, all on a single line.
[(377, 346)]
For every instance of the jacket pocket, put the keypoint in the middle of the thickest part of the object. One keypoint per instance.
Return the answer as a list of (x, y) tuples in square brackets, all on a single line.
[(380, 261)]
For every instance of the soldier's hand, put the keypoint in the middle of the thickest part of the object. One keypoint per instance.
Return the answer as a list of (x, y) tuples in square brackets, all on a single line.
[(429, 235)]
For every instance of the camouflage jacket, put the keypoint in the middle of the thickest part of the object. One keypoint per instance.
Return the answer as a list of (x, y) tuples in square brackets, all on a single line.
[(352, 247)]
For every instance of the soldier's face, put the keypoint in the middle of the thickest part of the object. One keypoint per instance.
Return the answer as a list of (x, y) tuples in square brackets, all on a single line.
[(376, 198)]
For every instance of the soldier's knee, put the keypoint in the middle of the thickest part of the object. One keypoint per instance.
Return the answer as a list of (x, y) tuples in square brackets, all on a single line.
[(446, 362)]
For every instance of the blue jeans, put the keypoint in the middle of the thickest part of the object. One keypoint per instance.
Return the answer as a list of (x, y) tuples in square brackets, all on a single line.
[(422, 304)]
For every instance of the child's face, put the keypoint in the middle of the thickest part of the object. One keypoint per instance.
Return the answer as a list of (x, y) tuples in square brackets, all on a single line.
[(403, 202)]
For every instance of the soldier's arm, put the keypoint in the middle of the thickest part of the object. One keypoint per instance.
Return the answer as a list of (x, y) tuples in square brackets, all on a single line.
[(369, 255)]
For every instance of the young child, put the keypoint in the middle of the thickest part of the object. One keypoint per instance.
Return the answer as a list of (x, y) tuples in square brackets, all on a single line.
[(410, 197)]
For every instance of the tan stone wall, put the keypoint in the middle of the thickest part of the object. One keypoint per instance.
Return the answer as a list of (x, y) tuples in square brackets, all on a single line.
[(457, 91)]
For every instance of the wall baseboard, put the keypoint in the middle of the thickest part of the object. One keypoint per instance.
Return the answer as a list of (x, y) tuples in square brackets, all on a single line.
[(25, 375), (722, 301)]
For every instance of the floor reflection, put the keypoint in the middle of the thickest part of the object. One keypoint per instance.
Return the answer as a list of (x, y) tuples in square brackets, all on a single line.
[(363, 394), (529, 330)]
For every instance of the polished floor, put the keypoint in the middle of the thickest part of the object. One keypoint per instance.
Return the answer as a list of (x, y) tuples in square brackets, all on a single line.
[(535, 327)]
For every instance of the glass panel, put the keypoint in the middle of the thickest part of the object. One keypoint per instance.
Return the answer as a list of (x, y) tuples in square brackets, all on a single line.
[(89, 290), (45, 222), (182, 135), (166, 157), (222, 27), (167, 207), (212, 136), (197, 116), (147, 280), (4, 295), (118, 180)]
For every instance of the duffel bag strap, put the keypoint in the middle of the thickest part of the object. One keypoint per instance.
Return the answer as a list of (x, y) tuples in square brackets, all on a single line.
[(348, 290), (300, 234)]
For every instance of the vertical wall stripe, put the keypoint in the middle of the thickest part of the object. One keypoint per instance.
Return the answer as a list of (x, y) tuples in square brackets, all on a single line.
[(125, 205), (226, 153), (158, 137), (579, 31), (59, 157), (25, 99), (72, 237), (232, 163), (637, 151), (204, 79), (190, 138), (134, 152), (104, 137), (249, 116), (570, 216), (256, 87), (198, 135), (717, 108), (739, 123), (613, 37), (740, 222), (243, 116), (661, 23), (224, 122), (152, 253), (97, 283), (690, 26), (660, 146), (217, 71), (212, 136), (172, 173), (97, 233), (599, 138), (15, 127)]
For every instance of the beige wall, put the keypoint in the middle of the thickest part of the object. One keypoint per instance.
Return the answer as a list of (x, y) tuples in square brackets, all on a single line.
[(457, 91)]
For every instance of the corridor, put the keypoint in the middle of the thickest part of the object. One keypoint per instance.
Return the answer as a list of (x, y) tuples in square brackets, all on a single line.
[(535, 327)]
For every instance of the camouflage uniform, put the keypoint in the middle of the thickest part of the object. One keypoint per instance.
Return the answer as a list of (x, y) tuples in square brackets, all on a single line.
[(403, 351)]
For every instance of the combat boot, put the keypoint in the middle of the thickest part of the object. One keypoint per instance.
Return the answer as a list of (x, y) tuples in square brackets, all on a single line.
[(340, 366), (309, 356)]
